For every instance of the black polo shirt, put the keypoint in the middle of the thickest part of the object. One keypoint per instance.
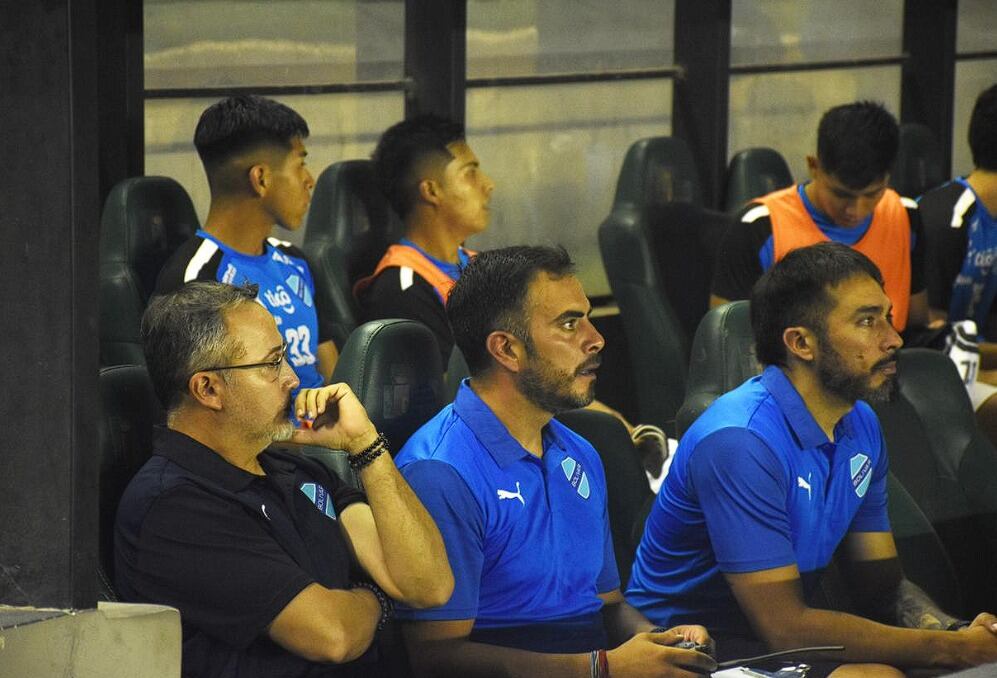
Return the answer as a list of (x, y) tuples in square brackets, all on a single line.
[(230, 550)]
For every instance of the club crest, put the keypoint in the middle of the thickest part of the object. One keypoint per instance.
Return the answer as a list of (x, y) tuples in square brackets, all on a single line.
[(576, 477), (861, 472), (320, 497)]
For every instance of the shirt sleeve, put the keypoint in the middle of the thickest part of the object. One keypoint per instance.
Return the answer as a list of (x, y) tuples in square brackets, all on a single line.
[(917, 253), (216, 564), (741, 488), (738, 266), (385, 298), (458, 516), (873, 515)]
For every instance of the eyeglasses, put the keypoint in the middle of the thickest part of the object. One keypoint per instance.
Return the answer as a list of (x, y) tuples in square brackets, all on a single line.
[(272, 365)]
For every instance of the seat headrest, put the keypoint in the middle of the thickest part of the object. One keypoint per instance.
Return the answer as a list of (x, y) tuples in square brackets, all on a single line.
[(918, 166), (658, 170), (394, 368), (129, 410), (752, 173), (723, 357), (145, 219), (350, 212)]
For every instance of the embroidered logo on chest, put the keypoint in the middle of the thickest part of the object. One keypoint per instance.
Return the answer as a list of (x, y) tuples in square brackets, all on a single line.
[(860, 468), (576, 476), (320, 497)]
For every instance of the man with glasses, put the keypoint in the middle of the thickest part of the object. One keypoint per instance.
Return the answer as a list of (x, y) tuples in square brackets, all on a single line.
[(276, 565)]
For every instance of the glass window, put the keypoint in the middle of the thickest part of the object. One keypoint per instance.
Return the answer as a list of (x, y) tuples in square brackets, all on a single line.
[(343, 126), (782, 110), (976, 21), (971, 78), (791, 31), (555, 153), (226, 43), (518, 37)]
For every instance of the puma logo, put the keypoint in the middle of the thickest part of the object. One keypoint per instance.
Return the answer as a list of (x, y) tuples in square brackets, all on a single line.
[(800, 482), (506, 494)]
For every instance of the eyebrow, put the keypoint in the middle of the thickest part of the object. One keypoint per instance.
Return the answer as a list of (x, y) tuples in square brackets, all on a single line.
[(570, 315), (872, 308), (846, 192)]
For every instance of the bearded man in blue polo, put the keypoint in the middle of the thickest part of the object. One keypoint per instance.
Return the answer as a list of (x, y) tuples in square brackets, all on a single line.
[(520, 499), (777, 473)]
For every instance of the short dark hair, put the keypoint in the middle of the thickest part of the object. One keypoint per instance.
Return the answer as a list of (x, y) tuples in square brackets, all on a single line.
[(184, 331), (237, 124), (857, 143), (491, 294), (402, 150), (983, 130), (795, 292)]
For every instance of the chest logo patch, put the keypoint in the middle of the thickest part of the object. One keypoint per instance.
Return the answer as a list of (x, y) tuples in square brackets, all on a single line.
[(861, 471), (508, 494), (320, 497), (300, 288), (576, 476)]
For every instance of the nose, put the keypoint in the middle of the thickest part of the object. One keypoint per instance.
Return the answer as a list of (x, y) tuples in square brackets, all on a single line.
[(595, 341), (288, 376), (892, 341), (489, 185)]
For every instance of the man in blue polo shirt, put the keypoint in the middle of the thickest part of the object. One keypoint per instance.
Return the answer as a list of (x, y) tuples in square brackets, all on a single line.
[(776, 474), (520, 499)]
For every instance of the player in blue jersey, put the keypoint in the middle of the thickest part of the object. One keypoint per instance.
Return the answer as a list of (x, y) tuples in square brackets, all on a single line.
[(253, 153), (960, 225), (777, 473), (520, 499)]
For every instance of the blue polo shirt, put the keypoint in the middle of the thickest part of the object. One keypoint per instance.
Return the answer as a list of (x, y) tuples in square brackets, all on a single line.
[(528, 538), (755, 485)]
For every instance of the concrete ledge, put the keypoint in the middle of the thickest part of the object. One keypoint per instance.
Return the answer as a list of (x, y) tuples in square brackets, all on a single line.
[(116, 639)]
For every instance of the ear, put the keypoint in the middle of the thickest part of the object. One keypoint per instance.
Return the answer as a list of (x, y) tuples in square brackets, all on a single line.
[(813, 165), (800, 342), (259, 179), (206, 389), (429, 191), (506, 350)]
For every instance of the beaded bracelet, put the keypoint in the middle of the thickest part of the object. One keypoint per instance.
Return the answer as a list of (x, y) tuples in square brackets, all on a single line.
[(387, 607), (369, 453), (599, 664)]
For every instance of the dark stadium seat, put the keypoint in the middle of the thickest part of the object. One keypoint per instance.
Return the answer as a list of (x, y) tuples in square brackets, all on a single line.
[(628, 494), (394, 368), (658, 246), (937, 457), (144, 220), (129, 410), (752, 173), (350, 225), (918, 166)]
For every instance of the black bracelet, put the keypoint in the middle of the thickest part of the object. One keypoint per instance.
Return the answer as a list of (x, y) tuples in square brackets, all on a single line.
[(387, 607), (369, 453), (958, 625)]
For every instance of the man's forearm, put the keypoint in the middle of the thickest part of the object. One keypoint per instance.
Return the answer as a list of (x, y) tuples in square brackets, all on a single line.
[(623, 621), (413, 548)]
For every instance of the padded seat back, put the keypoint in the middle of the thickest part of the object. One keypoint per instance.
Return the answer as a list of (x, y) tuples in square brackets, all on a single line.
[(658, 246), (628, 494), (350, 225), (145, 220), (723, 357), (752, 173), (394, 368), (918, 166), (129, 410), (948, 466)]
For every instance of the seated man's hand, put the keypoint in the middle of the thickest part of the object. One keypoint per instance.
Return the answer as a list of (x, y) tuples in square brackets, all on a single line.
[(333, 417), (987, 621), (653, 654)]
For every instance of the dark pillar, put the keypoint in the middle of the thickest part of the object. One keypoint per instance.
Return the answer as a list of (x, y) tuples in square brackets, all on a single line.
[(436, 57), (700, 98), (120, 92), (927, 90), (49, 214)]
